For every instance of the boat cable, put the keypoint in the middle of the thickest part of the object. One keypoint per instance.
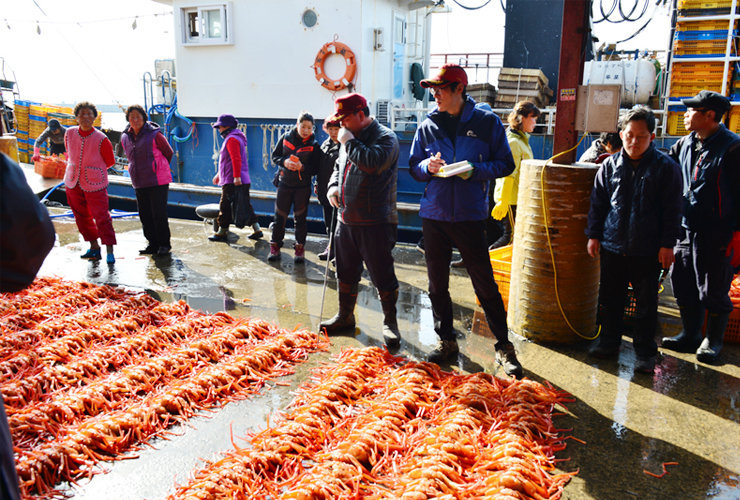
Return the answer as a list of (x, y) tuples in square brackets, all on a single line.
[(472, 8), (549, 241)]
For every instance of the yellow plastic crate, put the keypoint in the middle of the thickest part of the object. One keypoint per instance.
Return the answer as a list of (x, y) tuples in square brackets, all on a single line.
[(501, 265), (691, 89), (709, 25), (701, 44), (702, 4), (675, 123), (734, 125)]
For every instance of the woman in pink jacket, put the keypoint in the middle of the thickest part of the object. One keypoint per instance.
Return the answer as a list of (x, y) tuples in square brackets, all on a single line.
[(89, 155)]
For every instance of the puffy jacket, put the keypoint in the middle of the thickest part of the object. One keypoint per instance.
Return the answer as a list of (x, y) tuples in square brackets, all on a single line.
[(711, 186), (366, 174), (520, 150), (481, 140), (636, 211), (329, 155), (225, 162), (148, 165), (307, 150)]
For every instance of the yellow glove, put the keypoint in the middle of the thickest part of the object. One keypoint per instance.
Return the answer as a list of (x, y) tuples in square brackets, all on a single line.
[(466, 175), (502, 205)]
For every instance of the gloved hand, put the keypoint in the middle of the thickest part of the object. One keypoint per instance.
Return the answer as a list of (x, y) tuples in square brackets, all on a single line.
[(733, 249), (333, 196), (502, 205), (466, 175), (344, 135), (36, 154)]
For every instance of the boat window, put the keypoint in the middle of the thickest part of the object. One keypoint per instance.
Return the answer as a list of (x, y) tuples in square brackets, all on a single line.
[(207, 24), (309, 18)]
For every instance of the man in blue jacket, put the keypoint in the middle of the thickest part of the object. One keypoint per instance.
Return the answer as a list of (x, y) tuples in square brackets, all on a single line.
[(633, 223), (454, 209), (709, 247)]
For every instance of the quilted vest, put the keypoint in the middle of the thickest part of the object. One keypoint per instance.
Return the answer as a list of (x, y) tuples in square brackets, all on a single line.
[(85, 164)]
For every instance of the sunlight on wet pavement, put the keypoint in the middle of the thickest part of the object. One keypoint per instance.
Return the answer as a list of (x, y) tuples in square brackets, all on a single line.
[(686, 412)]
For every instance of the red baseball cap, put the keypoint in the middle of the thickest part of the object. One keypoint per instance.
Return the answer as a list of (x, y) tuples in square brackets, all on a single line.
[(449, 73), (347, 105)]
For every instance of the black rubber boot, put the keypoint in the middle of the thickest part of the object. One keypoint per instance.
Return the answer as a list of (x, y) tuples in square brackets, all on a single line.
[(391, 335), (692, 318), (711, 346), (345, 317)]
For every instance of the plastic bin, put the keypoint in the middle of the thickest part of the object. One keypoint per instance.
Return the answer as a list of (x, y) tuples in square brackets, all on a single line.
[(708, 25), (703, 35), (50, 167), (734, 125), (501, 264), (675, 124)]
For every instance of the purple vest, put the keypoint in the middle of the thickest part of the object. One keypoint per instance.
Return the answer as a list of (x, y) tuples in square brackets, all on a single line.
[(146, 167), (225, 168)]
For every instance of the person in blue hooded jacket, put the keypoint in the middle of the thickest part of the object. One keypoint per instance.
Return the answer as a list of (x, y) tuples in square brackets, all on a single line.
[(454, 209)]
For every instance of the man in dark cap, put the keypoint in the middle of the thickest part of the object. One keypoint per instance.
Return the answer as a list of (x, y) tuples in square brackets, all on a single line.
[(454, 208), (54, 132), (363, 189), (709, 249)]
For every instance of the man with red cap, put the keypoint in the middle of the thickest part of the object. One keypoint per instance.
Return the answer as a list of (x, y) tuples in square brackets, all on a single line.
[(363, 189), (454, 208), (709, 247)]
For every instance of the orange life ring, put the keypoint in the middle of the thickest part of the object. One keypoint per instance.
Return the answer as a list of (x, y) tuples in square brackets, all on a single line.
[(349, 59)]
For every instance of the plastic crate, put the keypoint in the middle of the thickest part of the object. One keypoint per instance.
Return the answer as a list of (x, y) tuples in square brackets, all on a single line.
[(734, 125), (732, 332), (681, 71), (50, 167), (703, 35), (696, 53), (675, 124), (679, 89), (717, 11), (708, 25), (629, 310), (701, 45), (501, 265)]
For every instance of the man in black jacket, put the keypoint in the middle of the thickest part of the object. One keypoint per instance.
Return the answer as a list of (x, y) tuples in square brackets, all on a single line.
[(709, 247), (363, 189), (633, 224)]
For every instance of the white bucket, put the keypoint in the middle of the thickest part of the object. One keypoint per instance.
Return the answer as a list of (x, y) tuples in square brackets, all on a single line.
[(637, 78)]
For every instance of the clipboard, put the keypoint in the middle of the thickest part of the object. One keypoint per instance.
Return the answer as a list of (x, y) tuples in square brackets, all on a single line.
[(454, 169)]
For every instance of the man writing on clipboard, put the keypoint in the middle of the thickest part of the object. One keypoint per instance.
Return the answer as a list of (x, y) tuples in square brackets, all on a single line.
[(454, 208)]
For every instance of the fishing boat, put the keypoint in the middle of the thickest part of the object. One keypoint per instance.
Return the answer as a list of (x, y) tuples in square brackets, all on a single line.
[(265, 62)]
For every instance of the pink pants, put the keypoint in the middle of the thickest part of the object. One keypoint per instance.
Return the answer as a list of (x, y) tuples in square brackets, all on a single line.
[(92, 215)]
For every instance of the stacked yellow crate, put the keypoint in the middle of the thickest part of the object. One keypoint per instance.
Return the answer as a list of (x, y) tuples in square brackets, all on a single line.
[(36, 126), (21, 117), (693, 40)]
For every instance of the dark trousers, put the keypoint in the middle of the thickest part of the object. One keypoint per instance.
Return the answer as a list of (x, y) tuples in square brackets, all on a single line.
[(470, 239), (617, 272), (372, 245), (152, 203), (329, 216), (702, 274), (285, 198), (224, 205), (57, 149)]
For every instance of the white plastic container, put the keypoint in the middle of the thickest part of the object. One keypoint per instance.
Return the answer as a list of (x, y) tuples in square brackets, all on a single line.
[(637, 78)]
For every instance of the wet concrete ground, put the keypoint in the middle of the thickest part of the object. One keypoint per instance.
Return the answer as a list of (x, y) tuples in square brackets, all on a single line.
[(687, 412)]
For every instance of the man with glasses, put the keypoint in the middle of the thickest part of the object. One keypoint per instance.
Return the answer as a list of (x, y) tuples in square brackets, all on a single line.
[(454, 209), (709, 248)]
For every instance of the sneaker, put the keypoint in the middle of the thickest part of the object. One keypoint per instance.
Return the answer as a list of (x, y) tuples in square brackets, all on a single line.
[(110, 259), (645, 364), (149, 250), (300, 252), (458, 264), (274, 252), (256, 235), (506, 357), (91, 254), (443, 351)]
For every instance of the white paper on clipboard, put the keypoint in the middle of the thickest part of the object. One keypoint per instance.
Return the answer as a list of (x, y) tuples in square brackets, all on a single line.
[(454, 168)]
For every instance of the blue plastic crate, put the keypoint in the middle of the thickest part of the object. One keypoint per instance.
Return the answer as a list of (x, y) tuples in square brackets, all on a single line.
[(703, 35), (696, 56), (677, 108)]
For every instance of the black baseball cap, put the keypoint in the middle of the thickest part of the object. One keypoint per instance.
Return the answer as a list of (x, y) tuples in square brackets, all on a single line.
[(709, 100)]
